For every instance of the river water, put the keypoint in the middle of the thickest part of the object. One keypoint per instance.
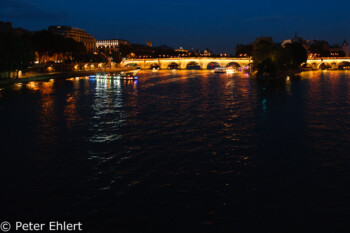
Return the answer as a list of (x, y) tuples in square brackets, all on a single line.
[(179, 151)]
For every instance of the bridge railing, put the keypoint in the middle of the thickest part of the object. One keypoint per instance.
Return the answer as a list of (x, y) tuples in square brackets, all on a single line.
[(330, 58)]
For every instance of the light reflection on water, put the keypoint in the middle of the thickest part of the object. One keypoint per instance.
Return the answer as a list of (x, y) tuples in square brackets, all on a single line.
[(108, 111), (192, 144)]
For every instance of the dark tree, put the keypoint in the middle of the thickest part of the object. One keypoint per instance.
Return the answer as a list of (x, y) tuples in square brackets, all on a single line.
[(91, 57), (46, 43), (125, 50), (320, 47), (273, 59), (16, 53), (296, 54), (242, 50), (115, 56), (264, 55)]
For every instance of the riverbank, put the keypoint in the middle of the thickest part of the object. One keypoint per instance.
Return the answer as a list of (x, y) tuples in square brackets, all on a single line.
[(56, 75)]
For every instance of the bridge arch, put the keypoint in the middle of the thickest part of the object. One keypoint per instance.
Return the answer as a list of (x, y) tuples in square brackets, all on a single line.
[(334, 65), (173, 65), (344, 65), (307, 65), (314, 66), (324, 66), (233, 64), (151, 65), (212, 65), (132, 64), (193, 65)]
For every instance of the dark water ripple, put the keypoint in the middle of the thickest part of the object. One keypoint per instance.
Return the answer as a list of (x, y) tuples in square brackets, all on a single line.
[(179, 151)]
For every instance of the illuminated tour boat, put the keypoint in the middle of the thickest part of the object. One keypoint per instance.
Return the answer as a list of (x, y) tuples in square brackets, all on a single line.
[(121, 76), (230, 70), (220, 70)]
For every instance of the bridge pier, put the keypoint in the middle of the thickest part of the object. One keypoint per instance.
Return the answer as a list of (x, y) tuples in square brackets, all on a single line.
[(182, 66), (222, 64), (203, 66), (143, 65), (163, 66)]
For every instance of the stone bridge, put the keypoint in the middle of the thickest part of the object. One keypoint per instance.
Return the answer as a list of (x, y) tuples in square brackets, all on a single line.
[(327, 62), (183, 62), (203, 62)]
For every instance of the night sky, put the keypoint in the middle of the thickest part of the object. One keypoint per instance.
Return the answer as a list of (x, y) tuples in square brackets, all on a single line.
[(218, 25)]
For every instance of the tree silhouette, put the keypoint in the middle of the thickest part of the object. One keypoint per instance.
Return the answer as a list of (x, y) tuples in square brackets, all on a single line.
[(16, 53), (273, 59)]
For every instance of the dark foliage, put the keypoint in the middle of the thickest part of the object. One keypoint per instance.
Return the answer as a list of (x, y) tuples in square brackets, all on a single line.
[(319, 47), (46, 42), (17, 53), (242, 50), (272, 58)]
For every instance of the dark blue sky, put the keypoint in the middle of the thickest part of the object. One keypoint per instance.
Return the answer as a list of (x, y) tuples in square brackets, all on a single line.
[(216, 24)]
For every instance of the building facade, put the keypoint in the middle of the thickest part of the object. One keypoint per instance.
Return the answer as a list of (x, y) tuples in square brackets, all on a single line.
[(77, 34), (111, 45), (181, 50)]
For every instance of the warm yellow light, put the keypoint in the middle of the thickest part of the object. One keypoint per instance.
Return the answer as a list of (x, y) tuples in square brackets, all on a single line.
[(32, 86)]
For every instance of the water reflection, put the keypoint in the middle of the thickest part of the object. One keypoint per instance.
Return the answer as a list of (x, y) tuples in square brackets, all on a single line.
[(221, 147), (34, 86), (108, 115), (70, 110), (327, 99), (288, 85), (17, 86)]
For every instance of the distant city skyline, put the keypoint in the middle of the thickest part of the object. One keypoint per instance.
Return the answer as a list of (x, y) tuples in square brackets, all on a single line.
[(196, 24)]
